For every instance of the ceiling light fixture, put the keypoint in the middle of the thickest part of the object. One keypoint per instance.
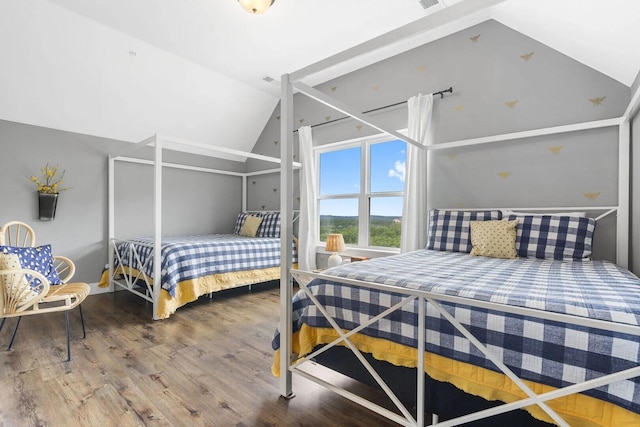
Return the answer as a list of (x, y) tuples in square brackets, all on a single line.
[(256, 7)]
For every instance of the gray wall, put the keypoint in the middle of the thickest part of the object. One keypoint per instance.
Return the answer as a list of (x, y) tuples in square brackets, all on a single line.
[(503, 82), (194, 202)]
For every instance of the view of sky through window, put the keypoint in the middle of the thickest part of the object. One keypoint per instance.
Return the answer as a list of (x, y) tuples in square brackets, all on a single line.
[(340, 173)]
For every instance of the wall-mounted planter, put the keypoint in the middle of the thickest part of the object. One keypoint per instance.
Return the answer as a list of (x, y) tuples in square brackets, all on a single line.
[(47, 204)]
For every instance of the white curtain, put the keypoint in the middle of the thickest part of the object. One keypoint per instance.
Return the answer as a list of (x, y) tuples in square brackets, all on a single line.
[(414, 210), (308, 227)]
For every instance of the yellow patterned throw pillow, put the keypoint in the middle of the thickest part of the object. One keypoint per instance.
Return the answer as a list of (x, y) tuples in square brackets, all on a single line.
[(496, 239), (250, 226)]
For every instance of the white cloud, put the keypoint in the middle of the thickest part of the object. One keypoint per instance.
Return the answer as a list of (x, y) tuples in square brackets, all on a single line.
[(398, 170)]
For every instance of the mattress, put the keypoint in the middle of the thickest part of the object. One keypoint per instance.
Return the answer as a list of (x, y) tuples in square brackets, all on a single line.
[(543, 352), (187, 258)]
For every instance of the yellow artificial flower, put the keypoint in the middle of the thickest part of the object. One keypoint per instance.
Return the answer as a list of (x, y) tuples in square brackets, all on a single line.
[(50, 183)]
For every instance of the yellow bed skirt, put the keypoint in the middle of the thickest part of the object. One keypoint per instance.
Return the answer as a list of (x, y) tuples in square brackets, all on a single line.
[(189, 290), (578, 410)]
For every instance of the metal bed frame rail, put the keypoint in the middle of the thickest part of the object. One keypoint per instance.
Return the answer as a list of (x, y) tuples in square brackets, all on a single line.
[(405, 418), (127, 278)]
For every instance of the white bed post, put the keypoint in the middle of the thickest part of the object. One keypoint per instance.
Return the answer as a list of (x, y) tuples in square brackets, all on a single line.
[(245, 195), (157, 223), (112, 217), (286, 235), (624, 188)]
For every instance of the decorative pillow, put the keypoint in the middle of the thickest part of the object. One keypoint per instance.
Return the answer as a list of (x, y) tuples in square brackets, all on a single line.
[(449, 230), (240, 221), (35, 258), (554, 237), (250, 226), (15, 284), (270, 226), (495, 239)]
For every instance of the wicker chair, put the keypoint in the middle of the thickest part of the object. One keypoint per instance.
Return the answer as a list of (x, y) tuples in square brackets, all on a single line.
[(16, 233), (63, 297)]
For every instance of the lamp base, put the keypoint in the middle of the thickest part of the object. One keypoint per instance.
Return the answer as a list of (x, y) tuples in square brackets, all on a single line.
[(334, 260)]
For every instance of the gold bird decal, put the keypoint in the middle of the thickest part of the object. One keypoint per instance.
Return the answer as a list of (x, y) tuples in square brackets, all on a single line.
[(504, 175), (376, 87), (278, 118), (452, 156), (275, 142), (527, 56), (458, 108), (597, 101), (422, 68), (254, 183), (333, 89), (511, 104), (359, 127), (556, 149), (592, 196), (474, 38), (327, 118), (275, 189)]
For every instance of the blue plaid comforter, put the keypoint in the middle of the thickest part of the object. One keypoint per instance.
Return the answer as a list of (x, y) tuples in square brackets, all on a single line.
[(190, 257), (543, 351)]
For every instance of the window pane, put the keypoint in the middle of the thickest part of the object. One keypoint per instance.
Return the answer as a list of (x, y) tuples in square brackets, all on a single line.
[(385, 221), (339, 216), (387, 166), (340, 172)]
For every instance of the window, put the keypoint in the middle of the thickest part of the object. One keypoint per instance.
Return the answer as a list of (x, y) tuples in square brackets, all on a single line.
[(361, 192)]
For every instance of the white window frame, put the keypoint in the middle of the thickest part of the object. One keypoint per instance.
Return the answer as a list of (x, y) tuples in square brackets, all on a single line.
[(363, 196)]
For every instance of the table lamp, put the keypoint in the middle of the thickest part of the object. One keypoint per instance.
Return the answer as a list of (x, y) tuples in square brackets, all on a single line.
[(335, 244)]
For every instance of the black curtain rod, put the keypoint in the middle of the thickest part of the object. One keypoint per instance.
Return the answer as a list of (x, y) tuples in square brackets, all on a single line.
[(441, 93)]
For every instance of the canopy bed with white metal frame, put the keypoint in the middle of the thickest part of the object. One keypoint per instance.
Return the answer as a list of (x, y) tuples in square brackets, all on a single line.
[(190, 266), (623, 327)]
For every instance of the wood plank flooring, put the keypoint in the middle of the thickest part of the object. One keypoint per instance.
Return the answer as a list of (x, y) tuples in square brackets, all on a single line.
[(207, 365)]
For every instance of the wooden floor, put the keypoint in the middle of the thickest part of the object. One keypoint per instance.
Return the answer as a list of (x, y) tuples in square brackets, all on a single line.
[(207, 365)]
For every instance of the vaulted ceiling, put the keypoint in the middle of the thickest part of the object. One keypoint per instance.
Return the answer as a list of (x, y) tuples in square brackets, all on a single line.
[(195, 69)]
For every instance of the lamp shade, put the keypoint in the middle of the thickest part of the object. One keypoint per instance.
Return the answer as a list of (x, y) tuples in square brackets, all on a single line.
[(256, 7), (335, 243)]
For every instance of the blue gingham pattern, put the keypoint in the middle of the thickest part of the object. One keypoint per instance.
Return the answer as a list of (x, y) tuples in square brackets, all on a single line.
[(38, 258), (543, 351), (554, 237), (242, 216), (190, 257), (450, 230), (269, 227)]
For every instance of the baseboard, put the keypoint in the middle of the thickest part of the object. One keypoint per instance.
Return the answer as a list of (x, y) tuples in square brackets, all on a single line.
[(96, 289)]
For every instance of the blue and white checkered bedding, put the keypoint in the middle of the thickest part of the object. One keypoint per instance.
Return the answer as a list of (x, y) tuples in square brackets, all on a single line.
[(190, 257), (543, 351)]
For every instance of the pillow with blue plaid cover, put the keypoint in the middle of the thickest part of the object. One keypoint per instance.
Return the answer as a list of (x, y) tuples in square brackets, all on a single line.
[(270, 226), (554, 237), (242, 216), (38, 258), (450, 230)]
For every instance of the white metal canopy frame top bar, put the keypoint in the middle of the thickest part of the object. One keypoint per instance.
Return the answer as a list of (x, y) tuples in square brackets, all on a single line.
[(158, 142), (430, 22)]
